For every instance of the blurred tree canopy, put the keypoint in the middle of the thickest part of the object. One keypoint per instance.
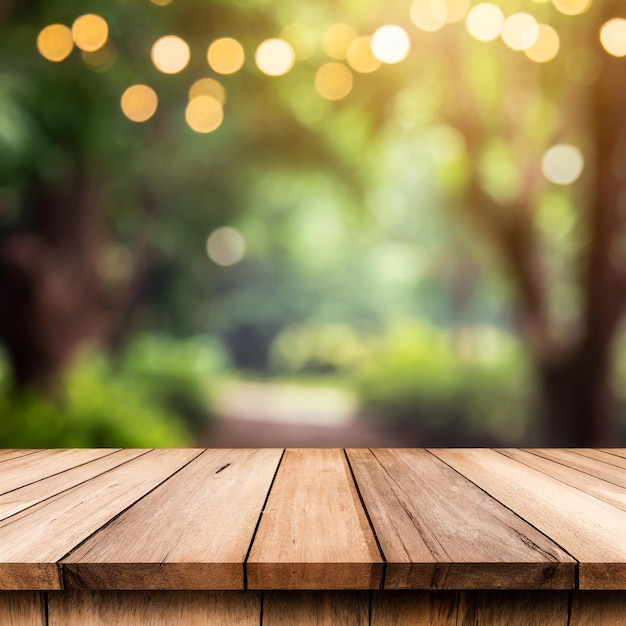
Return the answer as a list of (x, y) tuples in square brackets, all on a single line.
[(426, 189)]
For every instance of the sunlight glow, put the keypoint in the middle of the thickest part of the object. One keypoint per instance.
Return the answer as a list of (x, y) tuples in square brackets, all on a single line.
[(275, 57), (90, 32), (571, 7), (208, 87), (546, 47), (613, 37), (55, 42), (170, 54), (226, 55), (301, 39), (333, 81), (457, 10), (562, 164), (226, 246), (429, 15), (204, 114), (337, 40), (485, 21), (520, 31), (391, 44), (360, 57), (139, 103)]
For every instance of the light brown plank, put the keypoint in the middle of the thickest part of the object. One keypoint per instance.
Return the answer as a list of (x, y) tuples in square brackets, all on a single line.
[(31, 468), (193, 532), (599, 608), (20, 499), (153, 608), (32, 541), (22, 608), (597, 487), (582, 463), (486, 608), (7, 455), (314, 533), (621, 452), (598, 455), (591, 530), (310, 608), (437, 530)]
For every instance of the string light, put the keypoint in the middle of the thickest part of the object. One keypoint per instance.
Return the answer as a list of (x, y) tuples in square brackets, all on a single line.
[(226, 56), (90, 32), (139, 103), (390, 44), (275, 57), (55, 42), (170, 54)]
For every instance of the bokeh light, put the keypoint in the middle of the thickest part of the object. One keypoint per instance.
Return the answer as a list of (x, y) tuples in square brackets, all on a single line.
[(90, 32), (429, 15), (457, 10), (613, 37), (562, 164), (520, 31), (204, 114), (360, 57), (333, 81), (546, 47), (391, 44), (301, 38), (161, 3), (337, 40), (100, 60), (275, 57), (170, 54), (55, 42), (226, 246), (226, 55), (571, 7), (139, 103), (208, 87), (485, 21)]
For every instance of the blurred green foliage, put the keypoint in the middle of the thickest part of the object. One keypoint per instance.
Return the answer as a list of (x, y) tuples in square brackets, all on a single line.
[(156, 394)]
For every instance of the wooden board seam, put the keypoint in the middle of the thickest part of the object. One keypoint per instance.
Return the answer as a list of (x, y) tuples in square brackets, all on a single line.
[(576, 562), (63, 571), (367, 515), (23, 455), (256, 528)]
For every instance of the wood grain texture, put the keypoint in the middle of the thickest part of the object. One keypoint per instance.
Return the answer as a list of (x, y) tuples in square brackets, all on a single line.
[(31, 468), (25, 497), (598, 608), (7, 455), (314, 533), (437, 530), (154, 608), (22, 608), (597, 487), (583, 463), (453, 608), (599, 455), (193, 532), (621, 452), (313, 608), (587, 528), (32, 541)]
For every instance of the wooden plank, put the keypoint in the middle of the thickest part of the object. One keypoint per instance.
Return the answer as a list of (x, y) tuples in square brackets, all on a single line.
[(22, 608), (310, 608), (621, 452), (597, 487), (314, 533), (582, 463), (32, 541), (437, 530), (598, 608), (193, 532), (154, 608), (25, 497), (598, 455), (589, 529), (7, 455), (483, 608), (31, 468)]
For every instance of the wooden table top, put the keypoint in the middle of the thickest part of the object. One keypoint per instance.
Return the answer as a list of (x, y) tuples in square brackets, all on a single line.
[(266, 518)]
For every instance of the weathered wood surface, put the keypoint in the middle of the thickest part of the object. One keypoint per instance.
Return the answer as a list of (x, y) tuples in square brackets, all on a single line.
[(314, 520), (438, 530), (22, 608), (314, 533), (309, 608), (191, 533), (591, 530)]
